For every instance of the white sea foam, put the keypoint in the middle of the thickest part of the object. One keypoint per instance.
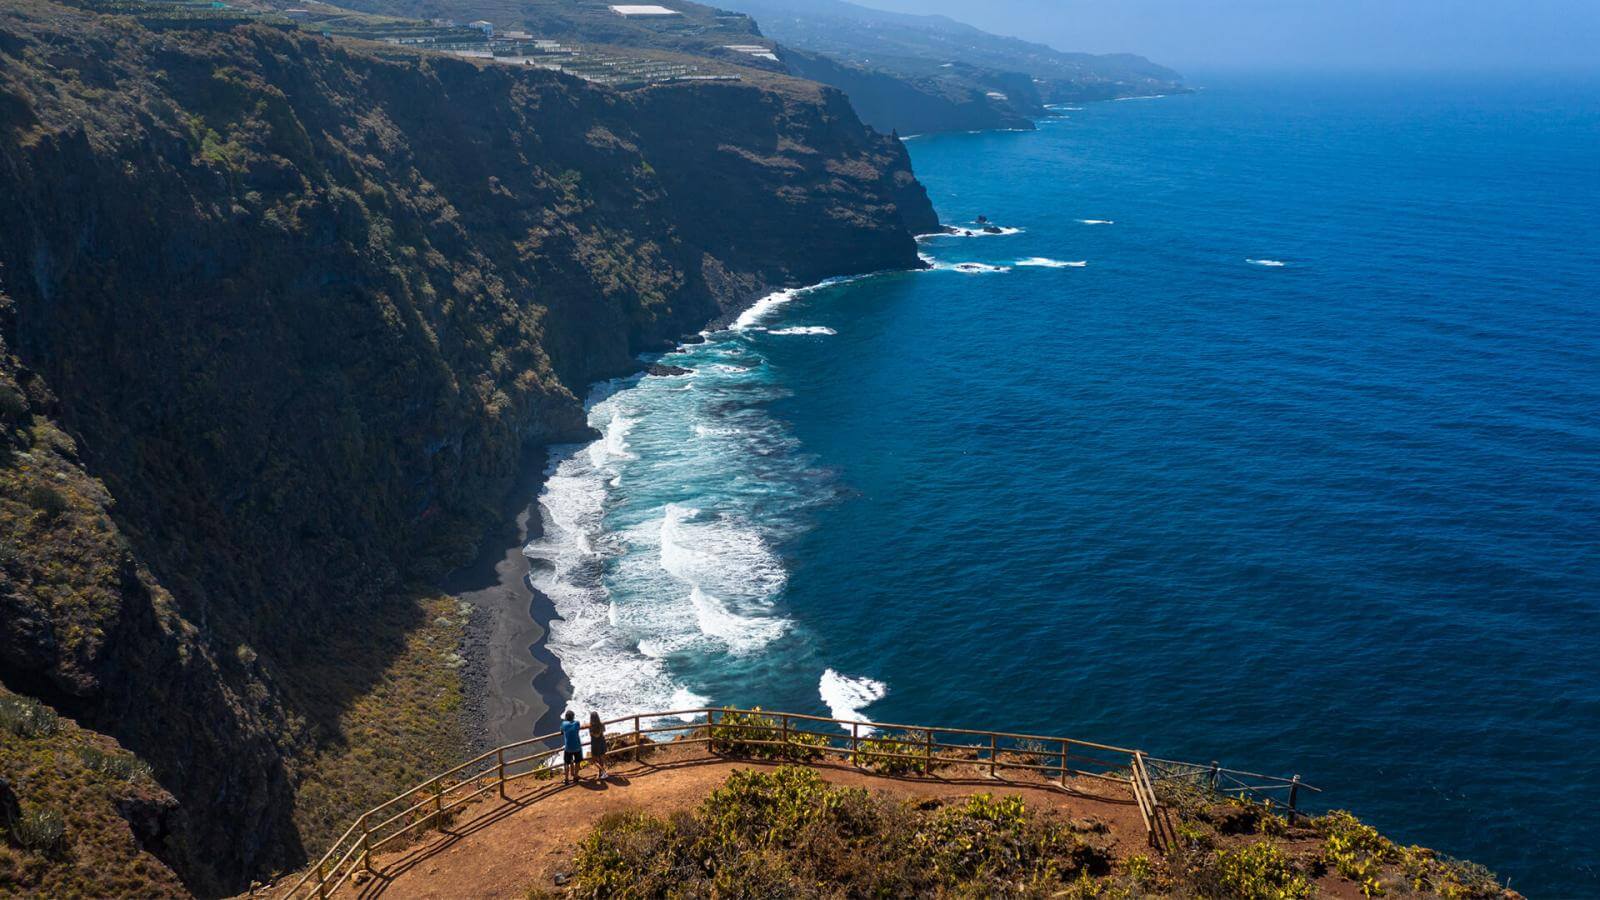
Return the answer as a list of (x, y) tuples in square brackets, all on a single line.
[(1043, 263), (726, 564), (958, 232), (763, 308), (973, 268), (607, 671), (845, 696), (613, 443), (804, 329), (1096, 222), (1271, 263)]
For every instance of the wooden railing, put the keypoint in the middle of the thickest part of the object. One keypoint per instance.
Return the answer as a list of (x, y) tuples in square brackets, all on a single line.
[(1213, 778), (905, 749)]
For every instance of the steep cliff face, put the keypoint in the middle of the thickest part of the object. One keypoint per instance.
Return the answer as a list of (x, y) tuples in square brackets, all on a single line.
[(284, 316)]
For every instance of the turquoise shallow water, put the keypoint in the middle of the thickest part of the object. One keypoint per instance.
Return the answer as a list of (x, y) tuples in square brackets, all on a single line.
[(1338, 515)]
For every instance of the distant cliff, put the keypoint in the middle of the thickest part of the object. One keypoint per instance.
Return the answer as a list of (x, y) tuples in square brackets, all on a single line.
[(921, 73), (893, 103), (279, 319)]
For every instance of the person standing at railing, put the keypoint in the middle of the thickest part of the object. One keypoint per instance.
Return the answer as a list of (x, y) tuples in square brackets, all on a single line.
[(597, 743), (572, 748)]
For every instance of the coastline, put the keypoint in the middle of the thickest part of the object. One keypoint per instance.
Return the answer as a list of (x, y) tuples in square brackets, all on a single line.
[(513, 685)]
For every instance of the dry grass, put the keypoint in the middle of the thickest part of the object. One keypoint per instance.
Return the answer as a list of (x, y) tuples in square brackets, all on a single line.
[(80, 797)]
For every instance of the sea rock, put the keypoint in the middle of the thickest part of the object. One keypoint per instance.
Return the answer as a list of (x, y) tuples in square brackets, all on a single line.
[(666, 371)]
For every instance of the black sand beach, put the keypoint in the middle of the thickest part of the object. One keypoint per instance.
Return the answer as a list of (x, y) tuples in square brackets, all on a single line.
[(514, 686)]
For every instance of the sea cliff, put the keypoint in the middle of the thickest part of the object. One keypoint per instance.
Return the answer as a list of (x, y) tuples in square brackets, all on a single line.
[(280, 320)]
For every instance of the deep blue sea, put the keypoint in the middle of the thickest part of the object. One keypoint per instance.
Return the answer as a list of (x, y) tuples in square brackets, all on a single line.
[(1271, 435)]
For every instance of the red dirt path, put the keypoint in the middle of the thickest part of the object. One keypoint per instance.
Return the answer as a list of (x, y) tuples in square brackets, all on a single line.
[(502, 848)]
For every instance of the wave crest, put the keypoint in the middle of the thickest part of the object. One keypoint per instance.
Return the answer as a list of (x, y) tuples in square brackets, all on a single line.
[(845, 696)]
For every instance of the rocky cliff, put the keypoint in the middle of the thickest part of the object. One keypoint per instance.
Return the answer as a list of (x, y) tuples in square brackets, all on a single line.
[(280, 319)]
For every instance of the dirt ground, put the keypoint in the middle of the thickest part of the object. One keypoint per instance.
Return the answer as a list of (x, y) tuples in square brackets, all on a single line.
[(502, 848)]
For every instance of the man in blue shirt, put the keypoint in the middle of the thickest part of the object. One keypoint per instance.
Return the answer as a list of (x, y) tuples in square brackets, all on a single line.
[(572, 749)]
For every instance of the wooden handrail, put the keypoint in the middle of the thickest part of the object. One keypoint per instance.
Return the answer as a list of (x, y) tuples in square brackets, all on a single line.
[(355, 847)]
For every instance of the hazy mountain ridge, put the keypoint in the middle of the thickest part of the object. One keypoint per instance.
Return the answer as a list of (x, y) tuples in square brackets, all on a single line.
[(952, 76)]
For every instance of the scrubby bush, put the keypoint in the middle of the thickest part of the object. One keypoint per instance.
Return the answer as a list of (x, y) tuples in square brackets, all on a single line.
[(121, 766), (1360, 853), (26, 717), (1037, 753), (13, 406), (1258, 871), (895, 754), (758, 736), (48, 500), (786, 832), (40, 830)]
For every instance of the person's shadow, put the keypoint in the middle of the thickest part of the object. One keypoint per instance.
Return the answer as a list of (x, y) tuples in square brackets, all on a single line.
[(595, 784)]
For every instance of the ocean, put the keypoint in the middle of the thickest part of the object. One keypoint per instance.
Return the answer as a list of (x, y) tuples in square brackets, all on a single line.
[(1267, 432)]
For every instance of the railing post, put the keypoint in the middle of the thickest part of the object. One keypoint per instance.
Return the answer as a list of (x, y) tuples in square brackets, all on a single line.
[(366, 845), (500, 762), (1215, 772), (786, 731), (927, 754), (322, 881), (855, 741), (1064, 748), (994, 748), (438, 803), (638, 738), (1294, 796)]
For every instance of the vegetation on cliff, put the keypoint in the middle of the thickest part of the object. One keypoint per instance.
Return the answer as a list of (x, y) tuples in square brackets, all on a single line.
[(280, 320), (786, 832), (78, 813)]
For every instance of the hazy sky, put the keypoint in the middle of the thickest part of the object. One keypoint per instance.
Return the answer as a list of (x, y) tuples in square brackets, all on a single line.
[(1434, 34)]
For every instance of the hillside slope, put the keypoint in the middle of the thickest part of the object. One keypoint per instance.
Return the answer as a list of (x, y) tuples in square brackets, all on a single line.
[(905, 73), (917, 73), (282, 319)]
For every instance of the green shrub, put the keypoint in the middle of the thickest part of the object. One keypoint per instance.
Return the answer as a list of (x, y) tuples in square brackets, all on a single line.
[(1360, 853), (40, 830), (786, 832), (26, 717), (121, 766), (48, 500), (888, 752), (757, 736), (13, 406), (1258, 871)]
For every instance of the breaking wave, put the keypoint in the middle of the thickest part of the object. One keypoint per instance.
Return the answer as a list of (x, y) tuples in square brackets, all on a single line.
[(959, 232), (731, 573), (803, 329), (1271, 263), (845, 696), (1043, 263), (662, 546), (1096, 222)]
